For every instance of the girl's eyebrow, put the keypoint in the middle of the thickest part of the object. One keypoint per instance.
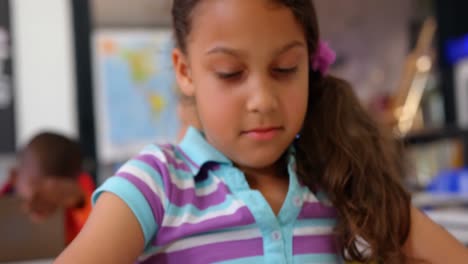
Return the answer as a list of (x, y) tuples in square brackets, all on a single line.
[(225, 50), (291, 45), (239, 53)]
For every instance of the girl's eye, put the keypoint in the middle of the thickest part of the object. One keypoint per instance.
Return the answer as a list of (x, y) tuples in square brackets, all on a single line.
[(229, 75), (285, 70)]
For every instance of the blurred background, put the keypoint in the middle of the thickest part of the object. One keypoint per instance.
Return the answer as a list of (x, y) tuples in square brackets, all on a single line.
[(100, 71)]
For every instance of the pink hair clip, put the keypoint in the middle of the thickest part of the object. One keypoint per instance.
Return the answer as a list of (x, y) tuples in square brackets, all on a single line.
[(323, 58)]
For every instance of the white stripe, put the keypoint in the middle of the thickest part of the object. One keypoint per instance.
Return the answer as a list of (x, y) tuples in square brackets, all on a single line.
[(154, 152), (148, 180), (213, 238), (311, 198), (207, 239), (181, 184), (313, 230), (173, 156), (210, 188), (175, 221), (185, 184)]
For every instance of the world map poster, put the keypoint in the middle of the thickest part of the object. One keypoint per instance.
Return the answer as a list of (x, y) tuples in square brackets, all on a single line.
[(135, 91)]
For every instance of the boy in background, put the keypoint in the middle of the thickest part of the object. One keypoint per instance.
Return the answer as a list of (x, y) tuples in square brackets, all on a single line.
[(48, 176)]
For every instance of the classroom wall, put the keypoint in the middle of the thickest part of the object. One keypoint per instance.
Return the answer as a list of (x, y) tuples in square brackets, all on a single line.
[(147, 13), (44, 63), (371, 37), (44, 70)]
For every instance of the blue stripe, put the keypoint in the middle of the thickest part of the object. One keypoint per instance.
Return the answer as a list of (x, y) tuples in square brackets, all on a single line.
[(315, 222), (135, 200), (177, 211), (155, 175), (317, 258), (207, 182), (151, 250), (180, 174)]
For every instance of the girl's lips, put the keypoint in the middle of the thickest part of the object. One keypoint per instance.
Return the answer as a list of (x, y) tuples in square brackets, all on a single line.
[(267, 133)]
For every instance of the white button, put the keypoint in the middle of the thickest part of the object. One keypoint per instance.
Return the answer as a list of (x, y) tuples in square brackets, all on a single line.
[(297, 201), (276, 235)]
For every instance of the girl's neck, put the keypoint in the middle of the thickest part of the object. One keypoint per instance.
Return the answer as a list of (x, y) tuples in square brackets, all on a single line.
[(257, 177), (271, 182)]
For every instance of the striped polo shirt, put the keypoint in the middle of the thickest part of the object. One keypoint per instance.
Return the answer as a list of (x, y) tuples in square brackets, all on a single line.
[(195, 206)]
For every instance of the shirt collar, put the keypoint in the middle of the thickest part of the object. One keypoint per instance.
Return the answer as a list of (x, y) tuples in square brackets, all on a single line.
[(198, 151)]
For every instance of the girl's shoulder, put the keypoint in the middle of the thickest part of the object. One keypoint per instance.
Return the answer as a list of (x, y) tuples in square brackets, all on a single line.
[(165, 163), (165, 156)]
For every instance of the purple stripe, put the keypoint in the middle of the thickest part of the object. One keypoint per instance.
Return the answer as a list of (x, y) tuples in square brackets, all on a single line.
[(180, 165), (188, 196), (316, 210), (159, 167), (150, 159), (180, 197), (152, 199), (323, 244), (241, 217), (211, 253), (188, 158)]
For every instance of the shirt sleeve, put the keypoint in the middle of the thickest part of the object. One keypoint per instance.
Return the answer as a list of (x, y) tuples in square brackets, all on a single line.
[(139, 183)]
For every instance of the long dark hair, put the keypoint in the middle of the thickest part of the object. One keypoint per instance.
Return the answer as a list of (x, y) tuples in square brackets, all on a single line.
[(342, 152)]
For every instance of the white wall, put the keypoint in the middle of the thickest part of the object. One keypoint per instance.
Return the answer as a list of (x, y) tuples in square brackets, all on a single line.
[(44, 71)]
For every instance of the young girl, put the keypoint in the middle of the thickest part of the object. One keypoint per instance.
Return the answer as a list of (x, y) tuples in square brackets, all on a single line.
[(287, 166)]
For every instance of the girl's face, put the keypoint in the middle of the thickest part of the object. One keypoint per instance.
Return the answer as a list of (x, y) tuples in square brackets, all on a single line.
[(247, 66)]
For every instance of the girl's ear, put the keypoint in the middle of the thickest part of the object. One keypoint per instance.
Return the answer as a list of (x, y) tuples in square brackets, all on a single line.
[(182, 73)]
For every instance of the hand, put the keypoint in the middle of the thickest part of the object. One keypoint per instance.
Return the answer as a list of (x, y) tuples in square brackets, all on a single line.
[(38, 210)]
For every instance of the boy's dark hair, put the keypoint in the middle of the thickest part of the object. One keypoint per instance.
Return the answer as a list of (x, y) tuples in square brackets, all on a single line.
[(341, 151), (57, 155)]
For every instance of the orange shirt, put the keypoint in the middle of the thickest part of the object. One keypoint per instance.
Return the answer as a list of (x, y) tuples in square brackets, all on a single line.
[(6, 189), (75, 218)]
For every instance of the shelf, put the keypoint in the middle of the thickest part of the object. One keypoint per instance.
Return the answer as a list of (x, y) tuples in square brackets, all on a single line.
[(432, 135)]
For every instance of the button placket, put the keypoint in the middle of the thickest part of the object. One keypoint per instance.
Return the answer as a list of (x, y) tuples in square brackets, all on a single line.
[(276, 235), (297, 201)]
